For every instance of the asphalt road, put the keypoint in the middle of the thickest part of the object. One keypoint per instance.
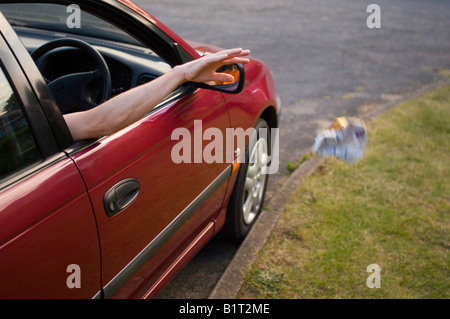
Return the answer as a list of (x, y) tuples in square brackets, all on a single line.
[(326, 63)]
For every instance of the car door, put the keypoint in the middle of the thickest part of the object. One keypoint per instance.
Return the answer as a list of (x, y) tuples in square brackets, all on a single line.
[(49, 244), (171, 202)]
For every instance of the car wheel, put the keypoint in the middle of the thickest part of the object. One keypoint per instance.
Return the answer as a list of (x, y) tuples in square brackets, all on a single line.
[(247, 197)]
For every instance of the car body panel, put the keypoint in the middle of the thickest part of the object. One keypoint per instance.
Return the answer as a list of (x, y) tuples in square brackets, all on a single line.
[(143, 151), (51, 227), (245, 108)]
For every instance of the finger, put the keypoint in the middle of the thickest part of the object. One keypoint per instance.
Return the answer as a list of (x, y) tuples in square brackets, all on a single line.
[(227, 54), (237, 53), (223, 77), (230, 52), (217, 64), (215, 57), (236, 60)]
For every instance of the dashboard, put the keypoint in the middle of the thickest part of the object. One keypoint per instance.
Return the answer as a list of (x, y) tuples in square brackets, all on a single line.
[(129, 65)]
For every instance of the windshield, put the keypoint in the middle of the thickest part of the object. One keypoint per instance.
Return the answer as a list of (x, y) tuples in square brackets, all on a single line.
[(61, 18)]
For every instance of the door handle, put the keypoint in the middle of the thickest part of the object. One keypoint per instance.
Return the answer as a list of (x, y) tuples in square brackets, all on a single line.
[(120, 196)]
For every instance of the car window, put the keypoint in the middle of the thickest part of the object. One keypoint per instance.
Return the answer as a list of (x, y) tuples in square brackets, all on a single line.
[(17, 145), (61, 18), (130, 63)]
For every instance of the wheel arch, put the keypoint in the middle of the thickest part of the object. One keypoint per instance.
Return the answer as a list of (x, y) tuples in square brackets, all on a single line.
[(270, 116)]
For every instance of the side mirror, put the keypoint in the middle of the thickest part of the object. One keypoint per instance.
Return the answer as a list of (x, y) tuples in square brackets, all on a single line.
[(235, 87)]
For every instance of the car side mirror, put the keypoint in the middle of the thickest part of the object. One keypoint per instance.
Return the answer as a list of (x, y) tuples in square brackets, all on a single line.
[(235, 87)]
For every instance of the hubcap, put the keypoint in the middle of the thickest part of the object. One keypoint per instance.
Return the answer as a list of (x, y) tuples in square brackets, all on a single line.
[(255, 181)]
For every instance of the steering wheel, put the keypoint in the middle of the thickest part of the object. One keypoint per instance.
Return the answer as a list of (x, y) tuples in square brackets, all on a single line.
[(76, 91)]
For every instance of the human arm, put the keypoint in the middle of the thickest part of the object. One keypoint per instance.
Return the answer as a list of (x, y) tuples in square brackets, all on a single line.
[(130, 106)]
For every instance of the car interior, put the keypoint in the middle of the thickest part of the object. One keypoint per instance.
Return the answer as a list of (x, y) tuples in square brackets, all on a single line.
[(128, 62)]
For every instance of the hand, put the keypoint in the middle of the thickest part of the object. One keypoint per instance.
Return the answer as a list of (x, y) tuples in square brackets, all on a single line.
[(204, 68)]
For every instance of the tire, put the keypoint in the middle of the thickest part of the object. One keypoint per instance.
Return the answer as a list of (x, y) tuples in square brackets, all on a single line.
[(247, 197)]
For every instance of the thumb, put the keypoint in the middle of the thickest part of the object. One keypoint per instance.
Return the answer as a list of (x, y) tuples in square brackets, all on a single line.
[(223, 77)]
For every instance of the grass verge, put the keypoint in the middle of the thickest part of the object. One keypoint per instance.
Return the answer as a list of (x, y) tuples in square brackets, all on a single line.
[(390, 209)]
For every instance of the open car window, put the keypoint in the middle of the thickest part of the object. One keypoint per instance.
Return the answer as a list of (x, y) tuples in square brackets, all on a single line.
[(130, 62), (61, 18)]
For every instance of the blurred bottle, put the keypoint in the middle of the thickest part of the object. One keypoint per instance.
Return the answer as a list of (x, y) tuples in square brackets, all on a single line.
[(346, 140)]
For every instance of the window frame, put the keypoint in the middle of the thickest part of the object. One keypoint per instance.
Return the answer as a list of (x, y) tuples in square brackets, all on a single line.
[(38, 124)]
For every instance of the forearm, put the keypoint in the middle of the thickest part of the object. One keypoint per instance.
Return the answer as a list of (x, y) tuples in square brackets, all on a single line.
[(132, 105), (123, 109)]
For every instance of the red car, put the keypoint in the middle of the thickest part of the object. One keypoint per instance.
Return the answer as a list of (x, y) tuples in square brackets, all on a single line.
[(114, 217)]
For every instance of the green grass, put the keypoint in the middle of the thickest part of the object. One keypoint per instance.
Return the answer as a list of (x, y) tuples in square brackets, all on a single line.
[(391, 209), (291, 166)]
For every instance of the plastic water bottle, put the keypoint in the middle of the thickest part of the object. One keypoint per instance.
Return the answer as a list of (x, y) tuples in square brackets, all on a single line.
[(346, 140)]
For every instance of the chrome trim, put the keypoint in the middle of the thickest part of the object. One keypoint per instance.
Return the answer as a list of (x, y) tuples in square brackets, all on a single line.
[(137, 262), (98, 295)]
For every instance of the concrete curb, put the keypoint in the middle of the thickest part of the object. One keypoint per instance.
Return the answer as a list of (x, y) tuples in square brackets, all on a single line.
[(231, 280)]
